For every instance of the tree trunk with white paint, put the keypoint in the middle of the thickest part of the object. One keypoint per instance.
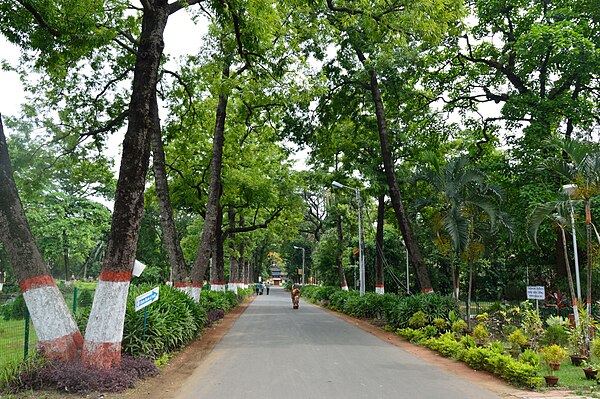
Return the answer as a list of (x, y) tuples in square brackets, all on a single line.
[(234, 265), (104, 332), (217, 271), (58, 335), (379, 276)]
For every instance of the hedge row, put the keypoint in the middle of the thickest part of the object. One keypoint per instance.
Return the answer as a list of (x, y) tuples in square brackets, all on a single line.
[(395, 310), (171, 322), (516, 371)]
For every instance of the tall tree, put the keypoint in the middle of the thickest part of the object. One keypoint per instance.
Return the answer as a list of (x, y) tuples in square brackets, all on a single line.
[(373, 36), (170, 236), (58, 335)]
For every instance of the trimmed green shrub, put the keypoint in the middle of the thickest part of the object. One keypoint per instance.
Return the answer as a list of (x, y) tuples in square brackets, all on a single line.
[(213, 300), (459, 327), (530, 357), (521, 373), (481, 335), (417, 320), (337, 300), (433, 305), (440, 323)]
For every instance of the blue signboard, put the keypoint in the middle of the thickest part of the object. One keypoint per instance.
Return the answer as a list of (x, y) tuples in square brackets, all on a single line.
[(146, 299)]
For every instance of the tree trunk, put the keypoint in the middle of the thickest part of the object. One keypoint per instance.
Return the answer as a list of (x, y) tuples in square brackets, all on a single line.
[(104, 333), (570, 279), (455, 276), (588, 299), (213, 205), (167, 222), (58, 335), (234, 265), (409, 239), (379, 274), (217, 271), (340, 256), (469, 294)]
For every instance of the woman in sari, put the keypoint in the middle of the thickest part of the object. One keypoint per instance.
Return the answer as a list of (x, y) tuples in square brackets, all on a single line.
[(295, 293)]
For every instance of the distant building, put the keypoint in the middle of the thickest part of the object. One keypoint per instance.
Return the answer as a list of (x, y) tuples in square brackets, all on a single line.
[(278, 277)]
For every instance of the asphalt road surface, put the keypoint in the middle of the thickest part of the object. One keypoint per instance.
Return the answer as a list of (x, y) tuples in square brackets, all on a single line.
[(274, 351)]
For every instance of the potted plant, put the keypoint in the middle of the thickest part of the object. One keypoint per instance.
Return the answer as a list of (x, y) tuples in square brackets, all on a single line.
[(577, 343), (552, 355), (590, 370)]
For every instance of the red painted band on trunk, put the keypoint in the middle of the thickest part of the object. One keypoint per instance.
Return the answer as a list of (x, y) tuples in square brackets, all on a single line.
[(588, 300), (181, 285), (379, 285), (36, 282), (103, 355), (64, 349), (217, 283), (343, 285), (426, 290), (115, 277), (197, 285)]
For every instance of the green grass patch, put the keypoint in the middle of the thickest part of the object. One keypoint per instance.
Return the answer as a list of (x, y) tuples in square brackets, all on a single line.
[(83, 285), (572, 377), (12, 339)]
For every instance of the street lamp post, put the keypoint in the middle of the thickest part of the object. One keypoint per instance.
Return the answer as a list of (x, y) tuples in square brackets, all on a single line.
[(302, 248), (361, 259)]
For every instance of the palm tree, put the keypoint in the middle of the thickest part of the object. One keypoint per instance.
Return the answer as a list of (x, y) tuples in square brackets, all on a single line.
[(580, 165), (559, 213), (466, 201)]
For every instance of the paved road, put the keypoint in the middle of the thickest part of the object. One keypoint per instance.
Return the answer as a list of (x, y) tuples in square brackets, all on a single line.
[(273, 351)]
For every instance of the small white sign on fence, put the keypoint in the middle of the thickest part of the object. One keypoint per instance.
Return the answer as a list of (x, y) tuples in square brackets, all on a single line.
[(536, 292), (146, 298)]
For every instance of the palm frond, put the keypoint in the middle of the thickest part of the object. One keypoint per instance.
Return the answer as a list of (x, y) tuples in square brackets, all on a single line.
[(457, 227)]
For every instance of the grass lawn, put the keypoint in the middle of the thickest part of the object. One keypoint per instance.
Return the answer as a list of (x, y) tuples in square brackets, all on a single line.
[(12, 335), (572, 378)]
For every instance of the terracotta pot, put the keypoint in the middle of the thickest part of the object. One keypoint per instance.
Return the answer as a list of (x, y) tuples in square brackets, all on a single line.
[(555, 365), (577, 359), (551, 380), (590, 374)]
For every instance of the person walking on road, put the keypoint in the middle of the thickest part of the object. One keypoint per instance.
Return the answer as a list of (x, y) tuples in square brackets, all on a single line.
[(268, 287), (295, 293)]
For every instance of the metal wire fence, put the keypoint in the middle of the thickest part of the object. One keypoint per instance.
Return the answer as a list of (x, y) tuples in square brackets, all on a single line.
[(17, 334)]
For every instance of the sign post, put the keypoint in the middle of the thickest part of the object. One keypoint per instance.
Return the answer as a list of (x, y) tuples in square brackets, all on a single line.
[(142, 301), (536, 292)]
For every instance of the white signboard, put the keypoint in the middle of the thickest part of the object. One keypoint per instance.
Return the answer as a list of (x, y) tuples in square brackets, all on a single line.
[(536, 292), (146, 299)]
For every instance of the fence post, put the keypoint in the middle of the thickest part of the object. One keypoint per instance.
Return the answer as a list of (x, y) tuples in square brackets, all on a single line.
[(26, 346), (74, 300)]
